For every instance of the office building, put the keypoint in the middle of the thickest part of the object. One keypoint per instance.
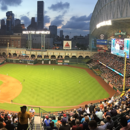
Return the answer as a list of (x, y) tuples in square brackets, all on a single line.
[(40, 15), (17, 22), (53, 31), (9, 21), (2, 22), (61, 33), (33, 25)]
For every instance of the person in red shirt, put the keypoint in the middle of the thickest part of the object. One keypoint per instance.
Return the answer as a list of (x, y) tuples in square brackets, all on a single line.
[(101, 105), (78, 125)]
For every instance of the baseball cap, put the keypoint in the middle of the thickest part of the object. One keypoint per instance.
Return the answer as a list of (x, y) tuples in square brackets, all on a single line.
[(47, 117), (63, 120), (64, 115)]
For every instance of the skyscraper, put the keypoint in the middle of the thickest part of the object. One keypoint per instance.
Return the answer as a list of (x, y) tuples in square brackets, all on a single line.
[(17, 22), (3, 26), (40, 15), (53, 30), (9, 21), (61, 33), (2, 22)]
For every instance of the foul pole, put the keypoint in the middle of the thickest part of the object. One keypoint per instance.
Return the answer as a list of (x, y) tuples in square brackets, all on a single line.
[(123, 92)]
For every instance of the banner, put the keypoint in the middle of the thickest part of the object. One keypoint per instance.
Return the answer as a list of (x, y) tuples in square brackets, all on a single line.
[(66, 61), (67, 44), (60, 61)]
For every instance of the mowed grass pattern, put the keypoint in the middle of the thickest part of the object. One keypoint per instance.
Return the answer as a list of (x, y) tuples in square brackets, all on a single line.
[(44, 86)]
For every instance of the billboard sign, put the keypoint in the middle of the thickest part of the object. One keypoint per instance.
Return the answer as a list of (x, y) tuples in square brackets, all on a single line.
[(67, 44), (101, 42), (119, 46)]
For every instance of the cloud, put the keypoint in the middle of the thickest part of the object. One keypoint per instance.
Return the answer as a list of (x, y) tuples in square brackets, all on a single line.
[(25, 20), (77, 25), (59, 6), (46, 19), (4, 7), (58, 20), (81, 18), (75, 22), (5, 3)]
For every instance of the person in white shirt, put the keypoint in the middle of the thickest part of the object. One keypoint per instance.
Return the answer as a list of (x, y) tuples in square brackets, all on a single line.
[(32, 111)]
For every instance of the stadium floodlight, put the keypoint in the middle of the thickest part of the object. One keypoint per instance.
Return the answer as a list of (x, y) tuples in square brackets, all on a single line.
[(36, 32), (104, 23)]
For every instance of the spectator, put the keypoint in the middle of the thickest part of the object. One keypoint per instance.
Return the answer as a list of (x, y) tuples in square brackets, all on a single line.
[(99, 114), (54, 120), (87, 109), (58, 123), (91, 108), (1, 125), (64, 126), (47, 122), (85, 124), (109, 123), (23, 117), (124, 124), (32, 111), (93, 125), (65, 117), (52, 126), (77, 125), (9, 126)]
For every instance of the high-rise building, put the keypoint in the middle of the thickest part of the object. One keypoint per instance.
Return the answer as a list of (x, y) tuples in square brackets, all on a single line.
[(17, 22), (9, 21), (3, 26), (53, 31), (33, 25), (2, 22), (61, 33), (33, 20), (40, 15)]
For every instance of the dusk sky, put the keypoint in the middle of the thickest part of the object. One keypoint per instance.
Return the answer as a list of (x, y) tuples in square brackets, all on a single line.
[(71, 16)]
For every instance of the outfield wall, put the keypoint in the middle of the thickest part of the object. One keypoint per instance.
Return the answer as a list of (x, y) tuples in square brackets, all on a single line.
[(49, 53)]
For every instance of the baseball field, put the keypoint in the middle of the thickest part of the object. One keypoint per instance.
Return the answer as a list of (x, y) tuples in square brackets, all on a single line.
[(50, 87)]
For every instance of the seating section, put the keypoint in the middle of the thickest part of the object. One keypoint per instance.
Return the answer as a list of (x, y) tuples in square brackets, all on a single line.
[(114, 62)]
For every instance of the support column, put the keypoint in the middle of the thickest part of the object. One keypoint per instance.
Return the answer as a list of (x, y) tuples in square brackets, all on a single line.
[(49, 56)]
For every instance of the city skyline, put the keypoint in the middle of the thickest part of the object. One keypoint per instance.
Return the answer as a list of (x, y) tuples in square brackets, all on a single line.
[(70, 16)]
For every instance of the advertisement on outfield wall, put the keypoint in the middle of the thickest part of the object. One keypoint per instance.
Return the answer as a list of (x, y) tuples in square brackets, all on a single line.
[(67, 44), (119, 46)]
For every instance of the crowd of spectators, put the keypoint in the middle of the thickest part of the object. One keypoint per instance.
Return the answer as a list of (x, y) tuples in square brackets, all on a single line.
[(16, 121), (110, 114), (113, 61), (116, 63)]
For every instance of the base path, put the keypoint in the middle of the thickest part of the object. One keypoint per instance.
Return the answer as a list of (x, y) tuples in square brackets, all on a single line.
[(10, 88)]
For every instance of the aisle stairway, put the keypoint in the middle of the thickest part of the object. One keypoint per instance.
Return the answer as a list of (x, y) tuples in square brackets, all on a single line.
[(36, 125)]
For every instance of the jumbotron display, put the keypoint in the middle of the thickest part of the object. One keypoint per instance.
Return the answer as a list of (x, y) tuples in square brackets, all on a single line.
[(119, 46)]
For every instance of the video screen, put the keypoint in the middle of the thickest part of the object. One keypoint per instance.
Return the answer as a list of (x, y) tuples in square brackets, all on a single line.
[(119, 46)]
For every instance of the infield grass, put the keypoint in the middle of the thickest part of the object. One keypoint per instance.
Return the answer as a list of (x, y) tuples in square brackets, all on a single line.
[(43, 86)]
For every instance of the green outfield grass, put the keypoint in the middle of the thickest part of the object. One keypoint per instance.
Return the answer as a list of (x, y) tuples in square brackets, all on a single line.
[(44, 86)]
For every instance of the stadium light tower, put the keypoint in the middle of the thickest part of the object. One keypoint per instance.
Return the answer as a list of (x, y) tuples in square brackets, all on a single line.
[(123, 92)]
